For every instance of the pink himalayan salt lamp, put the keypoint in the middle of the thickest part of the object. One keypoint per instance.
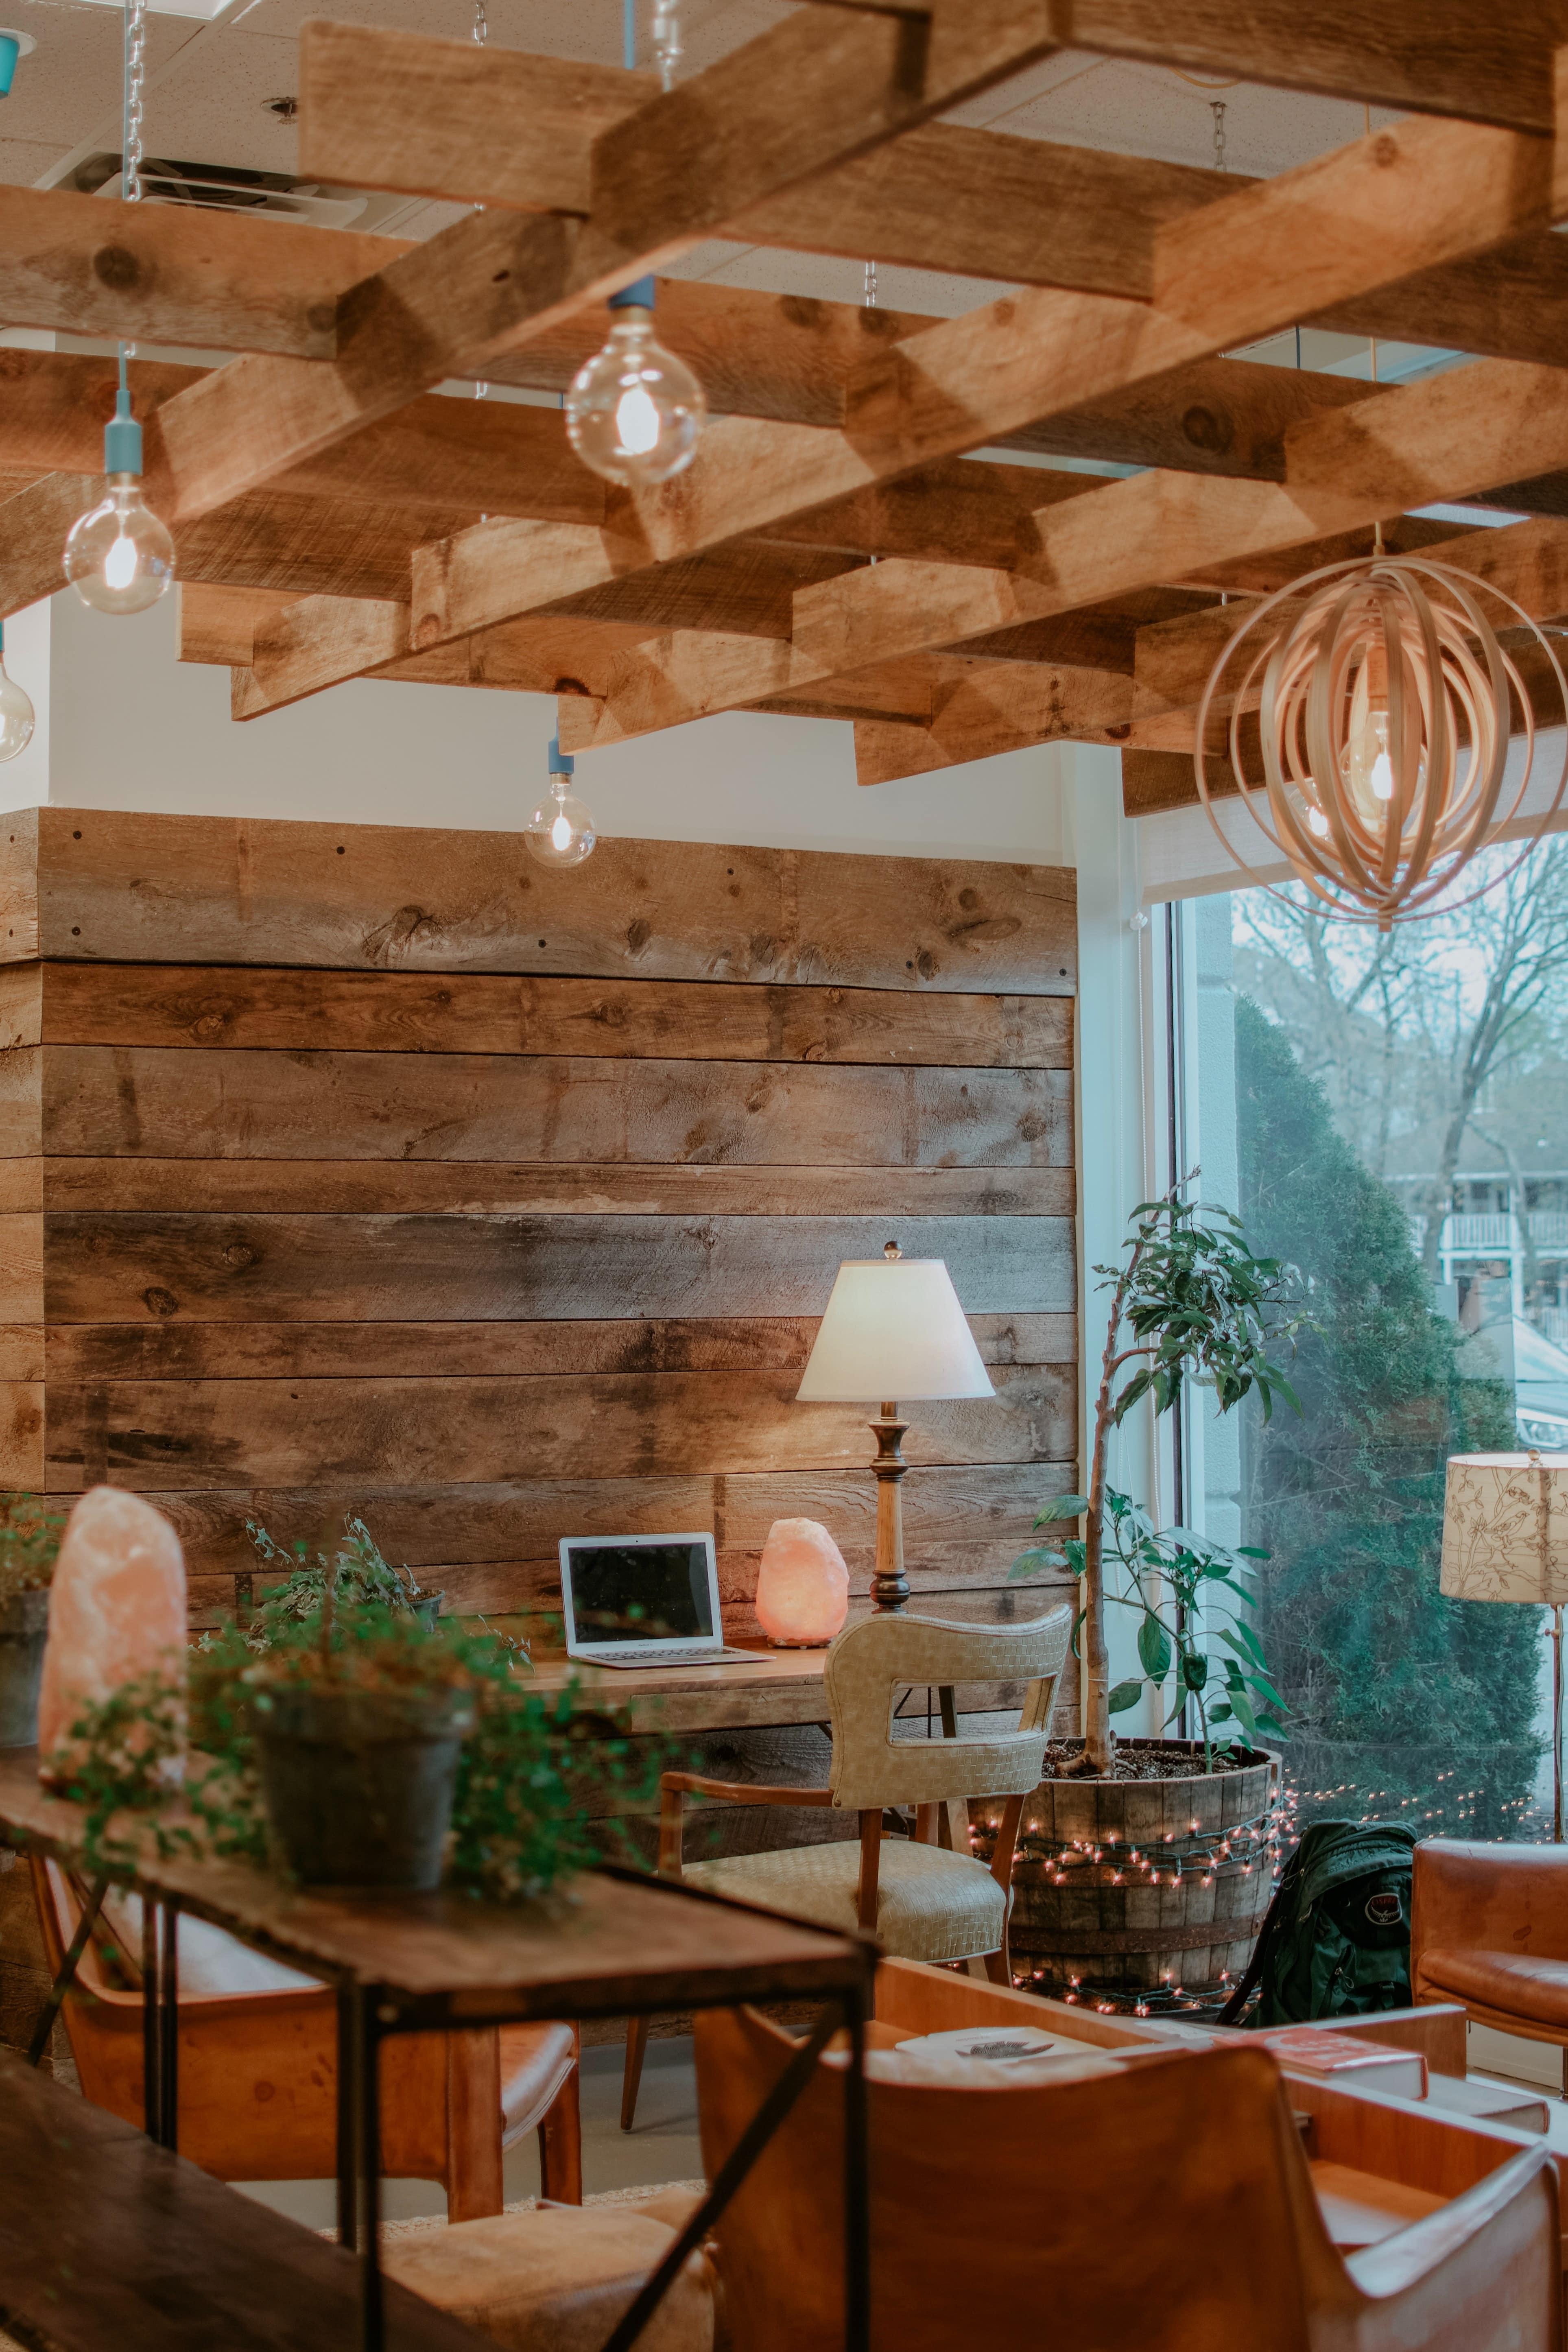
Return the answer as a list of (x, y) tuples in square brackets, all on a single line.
[(803, 1586), (117, 1608)]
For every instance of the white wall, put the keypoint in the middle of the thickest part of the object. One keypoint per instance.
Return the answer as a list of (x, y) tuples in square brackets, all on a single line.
[(124, 725)]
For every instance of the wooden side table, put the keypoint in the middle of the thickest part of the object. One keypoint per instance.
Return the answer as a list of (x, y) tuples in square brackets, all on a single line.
[(614, 1943)]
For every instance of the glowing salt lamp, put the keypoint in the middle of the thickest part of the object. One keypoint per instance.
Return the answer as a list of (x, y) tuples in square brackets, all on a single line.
[(803, 1586)]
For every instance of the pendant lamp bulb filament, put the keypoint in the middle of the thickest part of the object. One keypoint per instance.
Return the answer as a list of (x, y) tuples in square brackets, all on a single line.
[(17, 717), (560, 832), (636, 411), (118, 557)]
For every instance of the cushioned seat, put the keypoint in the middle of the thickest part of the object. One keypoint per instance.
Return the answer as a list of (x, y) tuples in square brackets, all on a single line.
[(930, 1905), (1508, 1985), (536, 2062), (559, 2278)]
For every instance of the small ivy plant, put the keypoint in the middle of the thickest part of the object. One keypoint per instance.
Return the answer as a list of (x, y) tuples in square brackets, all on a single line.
[(1172, 1580), (29, 1545), (356, 1572)]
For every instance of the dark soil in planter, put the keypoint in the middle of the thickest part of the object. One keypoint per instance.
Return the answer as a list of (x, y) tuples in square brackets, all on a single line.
[(359, 1784), (1143, 1760)]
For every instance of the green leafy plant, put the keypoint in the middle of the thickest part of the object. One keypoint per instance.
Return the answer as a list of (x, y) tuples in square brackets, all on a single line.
[(1190, 1300), (356, 1572), (527, 1780), (1174, 1580), (29, 1545)]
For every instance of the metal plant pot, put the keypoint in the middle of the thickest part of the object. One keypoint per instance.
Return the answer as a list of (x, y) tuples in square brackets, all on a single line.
[(24, 1628), (1106, 1924), (427, 1608), (358, 1784)]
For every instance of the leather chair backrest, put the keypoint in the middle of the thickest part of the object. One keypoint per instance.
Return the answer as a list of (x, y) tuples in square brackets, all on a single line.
[(870, 1664)]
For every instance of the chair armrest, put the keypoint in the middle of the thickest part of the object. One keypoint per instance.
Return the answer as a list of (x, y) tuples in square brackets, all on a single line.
[(1484, 2275), (674, 1788), (1473, 1897)]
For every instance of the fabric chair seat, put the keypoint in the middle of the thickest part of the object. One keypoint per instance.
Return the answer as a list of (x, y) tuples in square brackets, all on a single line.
[(535, 2061), (1510, 1984), (559, 2278), (930, 1905)]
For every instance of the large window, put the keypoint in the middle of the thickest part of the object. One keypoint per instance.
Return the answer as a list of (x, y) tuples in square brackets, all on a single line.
[(1390, 1114)]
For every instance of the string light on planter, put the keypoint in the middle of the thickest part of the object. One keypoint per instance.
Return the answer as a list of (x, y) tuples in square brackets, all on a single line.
[(118, 557), (1384, 703), (561, 831), (17, 717)]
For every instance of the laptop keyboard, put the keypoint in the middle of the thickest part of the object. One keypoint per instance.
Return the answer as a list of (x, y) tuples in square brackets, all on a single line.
[(696, 1656)]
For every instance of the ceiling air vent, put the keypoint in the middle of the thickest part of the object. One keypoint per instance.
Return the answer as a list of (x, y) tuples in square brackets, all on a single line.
[(222, 188)]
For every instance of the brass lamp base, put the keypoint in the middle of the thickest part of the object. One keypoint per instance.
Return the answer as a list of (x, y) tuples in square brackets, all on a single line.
[(890, 1585)]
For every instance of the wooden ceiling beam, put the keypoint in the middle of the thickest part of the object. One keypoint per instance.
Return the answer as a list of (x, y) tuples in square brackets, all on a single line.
[(789, 103)]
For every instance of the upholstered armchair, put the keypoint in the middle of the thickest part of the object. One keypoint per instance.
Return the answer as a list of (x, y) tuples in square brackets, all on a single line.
[(1490, 1928)]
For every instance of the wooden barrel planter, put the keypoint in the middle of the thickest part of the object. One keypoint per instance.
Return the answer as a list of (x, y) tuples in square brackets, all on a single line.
[(1126, 1887)]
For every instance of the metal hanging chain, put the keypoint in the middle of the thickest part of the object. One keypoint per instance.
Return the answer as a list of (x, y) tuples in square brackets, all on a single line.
[(136, 74), (870, 286), (667, 50), (1216, 107), (481, 34)]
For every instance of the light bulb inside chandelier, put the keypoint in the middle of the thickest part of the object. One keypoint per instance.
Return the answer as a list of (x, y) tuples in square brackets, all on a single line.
[(560, 832), (636, 411), (1384, 706), (16, 714), (118, 557)]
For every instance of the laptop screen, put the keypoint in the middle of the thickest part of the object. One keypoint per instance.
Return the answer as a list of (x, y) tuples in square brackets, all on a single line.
[(640, 1592)]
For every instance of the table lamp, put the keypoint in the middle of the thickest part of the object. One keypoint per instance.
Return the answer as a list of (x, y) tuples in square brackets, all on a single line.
[(893, 1327), (1505, 1537)]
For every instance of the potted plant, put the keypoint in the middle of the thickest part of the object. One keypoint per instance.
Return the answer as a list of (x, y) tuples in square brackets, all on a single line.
[(1142, 1862), (357, 1569), (359, 1715), (29, 1544)]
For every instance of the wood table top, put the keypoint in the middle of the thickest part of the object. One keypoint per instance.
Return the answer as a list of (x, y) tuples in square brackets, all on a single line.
[(607, 1943), (784, 1687)]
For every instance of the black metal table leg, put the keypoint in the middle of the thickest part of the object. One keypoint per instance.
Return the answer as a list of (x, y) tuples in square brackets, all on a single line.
[(348, 2120), (367, 2085), (169, 2025), (857, 2185), (151, 2020), (66, 1977)]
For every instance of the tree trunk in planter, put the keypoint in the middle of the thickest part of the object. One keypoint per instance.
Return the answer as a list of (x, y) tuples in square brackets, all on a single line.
[(1072, 1922)]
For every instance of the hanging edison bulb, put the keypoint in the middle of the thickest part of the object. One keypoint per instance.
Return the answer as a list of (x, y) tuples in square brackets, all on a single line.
[(118, 557), (1384, 706), (636, 411), (561, 831), (17, 717)]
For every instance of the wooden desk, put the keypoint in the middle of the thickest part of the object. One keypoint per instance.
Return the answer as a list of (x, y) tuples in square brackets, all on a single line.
[(786, 1688), (611, 1943)]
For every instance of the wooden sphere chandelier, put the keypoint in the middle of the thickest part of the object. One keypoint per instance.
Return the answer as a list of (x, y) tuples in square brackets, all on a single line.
[(1384, 706)]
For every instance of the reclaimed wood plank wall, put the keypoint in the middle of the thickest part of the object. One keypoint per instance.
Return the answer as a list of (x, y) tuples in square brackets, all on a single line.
[(372, 1167)]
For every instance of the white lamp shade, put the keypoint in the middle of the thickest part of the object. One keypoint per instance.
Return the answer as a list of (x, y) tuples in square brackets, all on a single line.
[(893, 1329), (1505, 1528)]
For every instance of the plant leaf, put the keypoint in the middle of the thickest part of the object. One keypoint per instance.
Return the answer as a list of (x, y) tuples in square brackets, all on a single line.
[(1124, 1696), (1153, 1649), (1031, 1562), (1063, 1507)]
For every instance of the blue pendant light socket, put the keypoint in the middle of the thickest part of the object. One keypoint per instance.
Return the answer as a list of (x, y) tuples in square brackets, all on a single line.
[(123, 438), (562, 763), (638, 294), (10, 50)]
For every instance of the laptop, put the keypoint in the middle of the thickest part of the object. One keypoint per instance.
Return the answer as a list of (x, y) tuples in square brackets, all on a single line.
[(645, 1601)]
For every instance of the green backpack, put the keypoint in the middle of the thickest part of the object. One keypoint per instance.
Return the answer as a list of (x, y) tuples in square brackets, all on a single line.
[(1335, 1941)]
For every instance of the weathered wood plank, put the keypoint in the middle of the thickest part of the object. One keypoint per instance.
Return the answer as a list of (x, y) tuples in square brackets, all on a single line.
[(110, 1268), (21, 1101), (210, 1105), (173, 889), (384, 1188), (479, 1013), (82, 1352), (513, 1520), (296, 1432)]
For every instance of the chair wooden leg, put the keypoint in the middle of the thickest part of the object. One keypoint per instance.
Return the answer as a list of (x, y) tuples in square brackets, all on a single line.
[(561, 2146), (636, 2045)]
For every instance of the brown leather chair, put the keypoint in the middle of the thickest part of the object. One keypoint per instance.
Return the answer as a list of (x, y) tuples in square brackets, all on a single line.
[(1490, 1928), (1168, 2204), (259, 2069)]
